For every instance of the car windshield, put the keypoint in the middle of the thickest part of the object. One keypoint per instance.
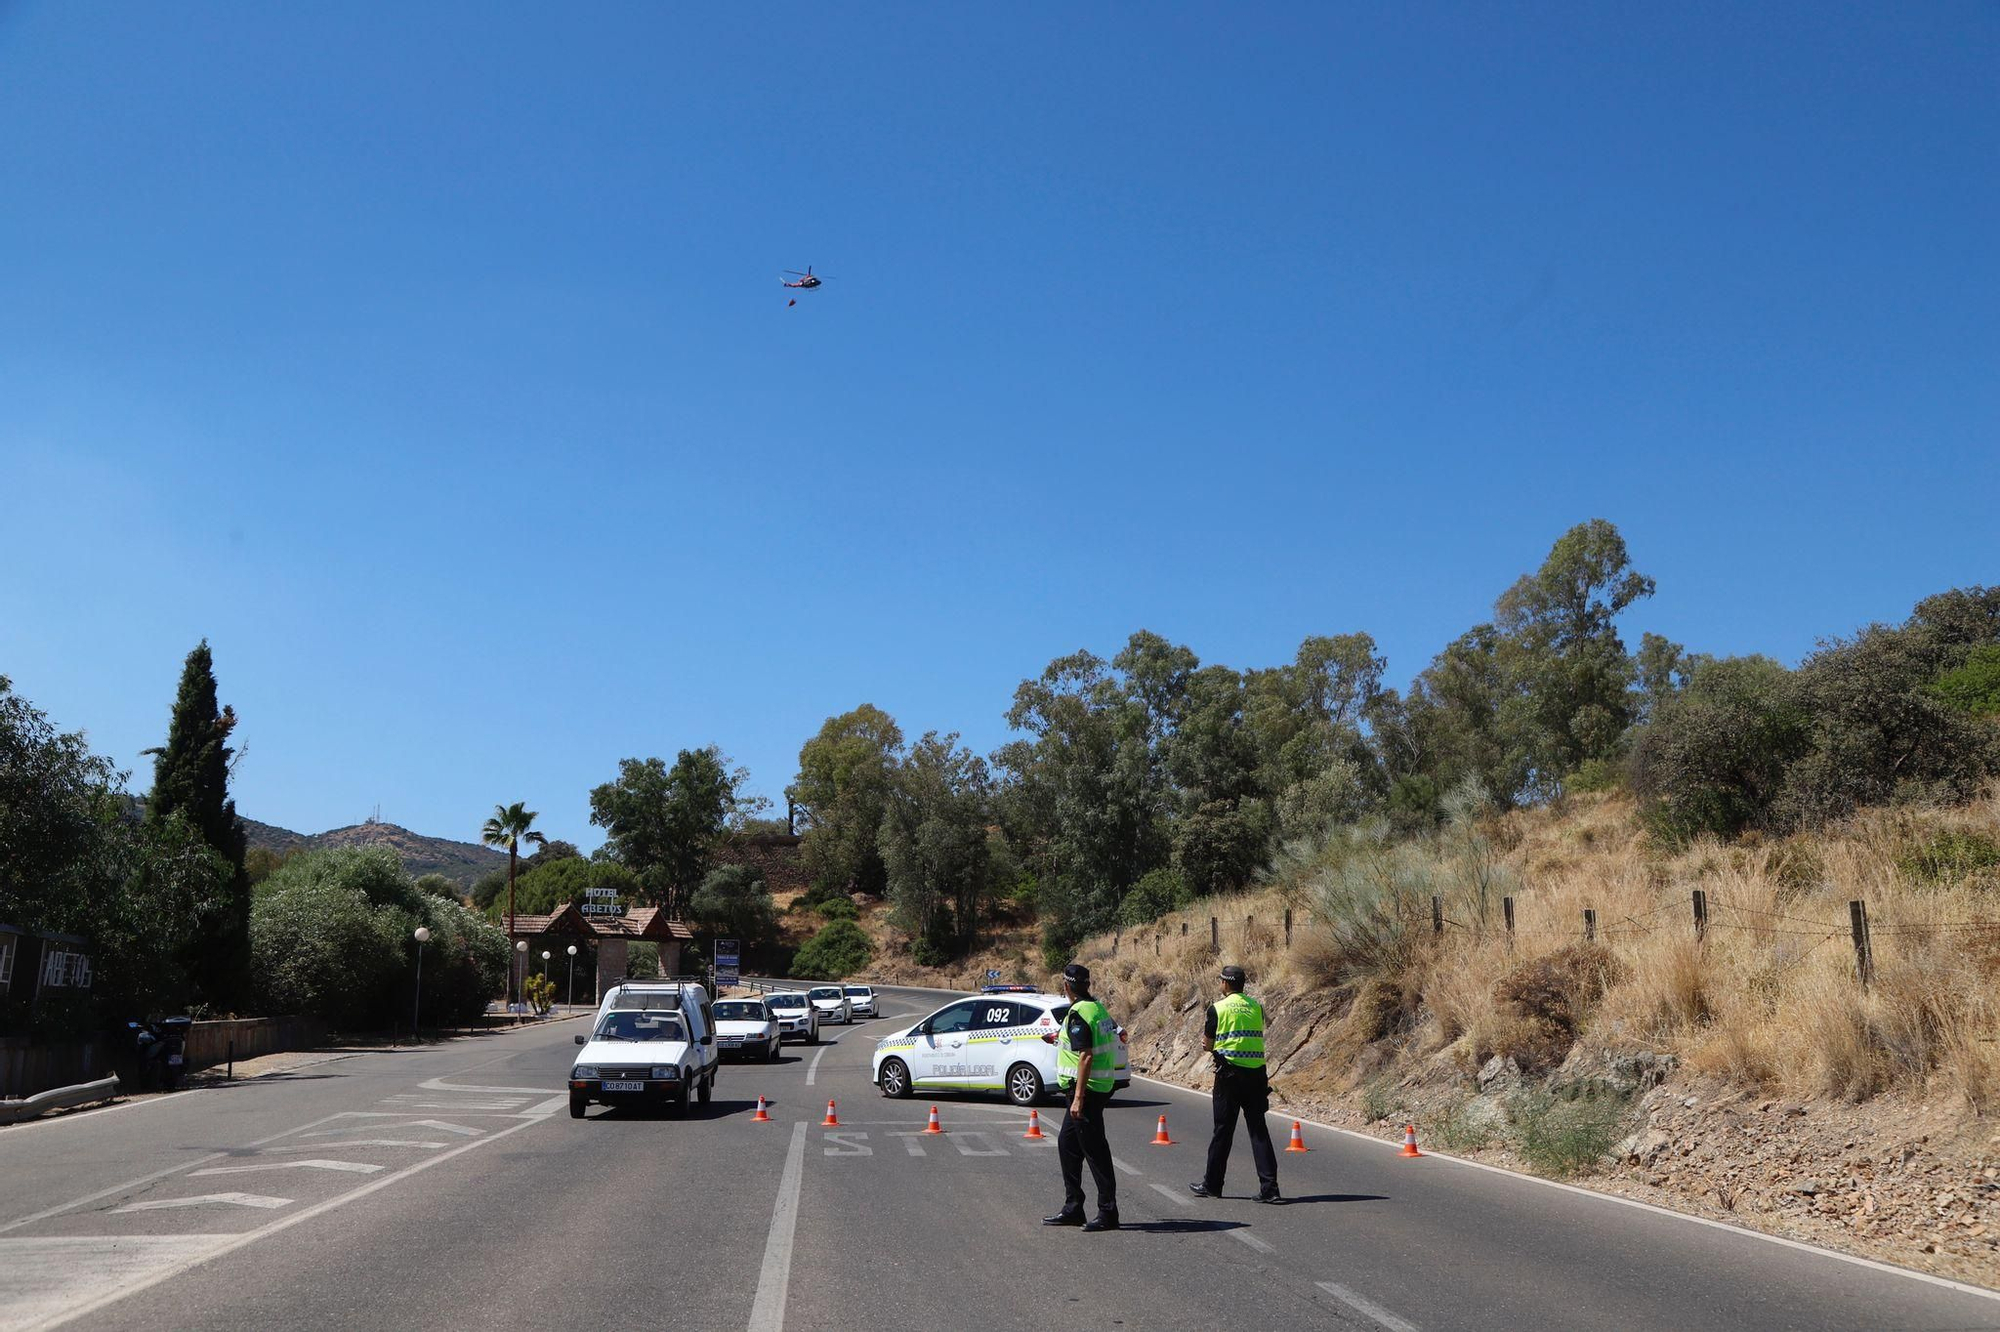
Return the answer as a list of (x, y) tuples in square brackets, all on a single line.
[(741, 1010), (787, 1001), (826, 992), (641, 1027), (859, 991)]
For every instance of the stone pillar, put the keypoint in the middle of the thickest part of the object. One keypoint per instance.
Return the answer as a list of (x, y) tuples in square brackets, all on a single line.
[(670, 957), (611, 962)]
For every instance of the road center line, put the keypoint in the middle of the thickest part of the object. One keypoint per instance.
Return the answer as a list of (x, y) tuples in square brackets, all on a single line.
[(812, 1070), (767, 1314), (1367, 1308)]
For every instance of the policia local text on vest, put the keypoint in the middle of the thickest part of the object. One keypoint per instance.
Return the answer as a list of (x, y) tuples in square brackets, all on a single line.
[(1234, 1032)]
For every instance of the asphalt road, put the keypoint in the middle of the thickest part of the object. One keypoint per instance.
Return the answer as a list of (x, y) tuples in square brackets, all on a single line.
[(448, 1188)]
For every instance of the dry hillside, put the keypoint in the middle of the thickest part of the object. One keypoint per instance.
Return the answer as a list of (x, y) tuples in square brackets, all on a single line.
[(1747, 1074)]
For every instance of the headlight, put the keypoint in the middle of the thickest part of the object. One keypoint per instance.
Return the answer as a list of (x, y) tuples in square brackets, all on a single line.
[(583, 1073), (661, 1072)]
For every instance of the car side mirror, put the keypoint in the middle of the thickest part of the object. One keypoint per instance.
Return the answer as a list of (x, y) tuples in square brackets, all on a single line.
[(708, 1040), (583, 1040)]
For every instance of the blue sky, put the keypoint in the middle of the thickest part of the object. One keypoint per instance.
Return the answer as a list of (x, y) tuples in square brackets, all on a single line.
[(431, 362)]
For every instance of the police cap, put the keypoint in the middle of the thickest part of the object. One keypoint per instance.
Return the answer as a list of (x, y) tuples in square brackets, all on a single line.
[(1232, 972), (1077, 974)]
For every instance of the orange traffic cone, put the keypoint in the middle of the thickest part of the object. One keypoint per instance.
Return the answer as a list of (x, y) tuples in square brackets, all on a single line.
[(1410, 1140), (760, 1117), (1034, 1125), (933, 1126), (1298, 1142), (832, 1120), (1160, 1139)]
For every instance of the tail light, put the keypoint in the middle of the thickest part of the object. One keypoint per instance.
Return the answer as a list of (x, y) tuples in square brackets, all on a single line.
[(1049, 1037)]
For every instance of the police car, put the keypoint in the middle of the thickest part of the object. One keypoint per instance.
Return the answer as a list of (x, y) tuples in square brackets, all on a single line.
[(990, 1042)]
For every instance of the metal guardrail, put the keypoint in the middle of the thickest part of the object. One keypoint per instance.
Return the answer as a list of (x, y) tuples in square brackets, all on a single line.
[(58, 1098)]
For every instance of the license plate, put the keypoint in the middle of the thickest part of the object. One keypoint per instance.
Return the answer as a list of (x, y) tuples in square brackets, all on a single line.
[(622, 1086)]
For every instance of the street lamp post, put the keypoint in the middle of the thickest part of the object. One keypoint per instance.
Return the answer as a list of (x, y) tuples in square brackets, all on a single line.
[(423, 936), (521, 957), (545, 964), (572, 975)]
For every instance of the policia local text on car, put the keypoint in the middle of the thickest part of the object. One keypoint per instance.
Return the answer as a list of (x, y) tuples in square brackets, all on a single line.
[(1234, 1032), (1086, 1070)]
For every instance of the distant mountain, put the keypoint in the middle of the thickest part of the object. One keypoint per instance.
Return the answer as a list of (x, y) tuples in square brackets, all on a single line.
[(461, 862)]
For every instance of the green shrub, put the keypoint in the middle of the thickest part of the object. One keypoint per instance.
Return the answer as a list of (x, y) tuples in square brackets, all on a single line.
[(1157, 892), (838, 908), (1379, 1100), (1566, 1137), (1459, 1127), (839, 950), (1714, 759), (1975, 686), (1948, 857), (1598, 774)]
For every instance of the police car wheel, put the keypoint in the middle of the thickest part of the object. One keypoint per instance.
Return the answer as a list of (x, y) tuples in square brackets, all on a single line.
[(895, 1079), (1024, 1085)]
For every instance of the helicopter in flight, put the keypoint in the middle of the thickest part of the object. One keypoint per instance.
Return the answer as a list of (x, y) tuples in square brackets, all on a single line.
[(806, 280)]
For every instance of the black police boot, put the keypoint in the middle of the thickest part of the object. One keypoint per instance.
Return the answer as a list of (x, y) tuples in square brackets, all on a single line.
[(1102, 1221), (1271, 1195), (1066, 1217), (1201, 1190)]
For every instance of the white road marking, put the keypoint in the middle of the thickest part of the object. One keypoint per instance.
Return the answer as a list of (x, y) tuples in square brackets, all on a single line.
[(148, 1178), (44, 1274), (913, 1140), (767, 1314), (318, 1163), (812, 1070), (1164, 1192), (1125, 1166), (1367, 1308), (960, 1137), (361, 1142), (852, 1142), (437, 1124), (1238, 1233), (440, 1085), (91, 1116), (204, 1200), (232, 1243)]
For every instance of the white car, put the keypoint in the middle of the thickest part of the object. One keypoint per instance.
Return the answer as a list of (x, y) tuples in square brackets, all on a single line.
[(830, 1001), (861, 999), (648, 1057), (990, 1042), (796, 1016), (748, 1027)]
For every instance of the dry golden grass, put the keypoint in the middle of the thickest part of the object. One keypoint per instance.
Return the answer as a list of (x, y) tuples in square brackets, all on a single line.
[(1768, 998)]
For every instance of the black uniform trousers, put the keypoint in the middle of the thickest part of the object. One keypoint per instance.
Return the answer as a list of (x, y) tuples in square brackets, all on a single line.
[(1083, 1140), (1247, 1090)]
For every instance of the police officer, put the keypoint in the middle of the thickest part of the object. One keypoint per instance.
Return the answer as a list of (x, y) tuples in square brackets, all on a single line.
[(1086, 1066), (1234, 1033)]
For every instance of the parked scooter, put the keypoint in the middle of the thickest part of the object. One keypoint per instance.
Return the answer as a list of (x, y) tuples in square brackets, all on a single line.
[(160, 1050)]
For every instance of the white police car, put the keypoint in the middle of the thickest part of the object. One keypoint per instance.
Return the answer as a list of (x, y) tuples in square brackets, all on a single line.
[(990, 1042)]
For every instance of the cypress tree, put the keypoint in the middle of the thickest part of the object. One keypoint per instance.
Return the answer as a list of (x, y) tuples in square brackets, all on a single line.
[(191, 780)]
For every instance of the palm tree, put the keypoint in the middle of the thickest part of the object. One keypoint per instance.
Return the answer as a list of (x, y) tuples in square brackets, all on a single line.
[(510, 826)]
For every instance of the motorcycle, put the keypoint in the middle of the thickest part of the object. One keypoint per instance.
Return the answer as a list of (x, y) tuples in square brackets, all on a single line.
[(159, 1051)]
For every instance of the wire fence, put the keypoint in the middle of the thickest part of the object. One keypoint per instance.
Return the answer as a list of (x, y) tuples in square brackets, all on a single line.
[(1696, 917)]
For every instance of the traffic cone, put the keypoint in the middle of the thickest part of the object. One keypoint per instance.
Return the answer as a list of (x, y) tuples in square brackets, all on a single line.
[(1160, 1139), (1034, 1125), (760, 1117), (933, 1126), (832, 1120), (1410, 1140), (1298, 1142)]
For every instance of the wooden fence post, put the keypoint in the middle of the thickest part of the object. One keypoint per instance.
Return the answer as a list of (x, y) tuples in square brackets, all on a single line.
[(1700, 915), (1507, 910), (1437, 914), (1288, 927), (1183, 929), (1115, 937), (1590, 924), (1214, 934), (1864, 948)]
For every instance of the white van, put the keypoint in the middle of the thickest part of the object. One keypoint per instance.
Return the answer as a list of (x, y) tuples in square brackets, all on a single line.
[(650, 1042)]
